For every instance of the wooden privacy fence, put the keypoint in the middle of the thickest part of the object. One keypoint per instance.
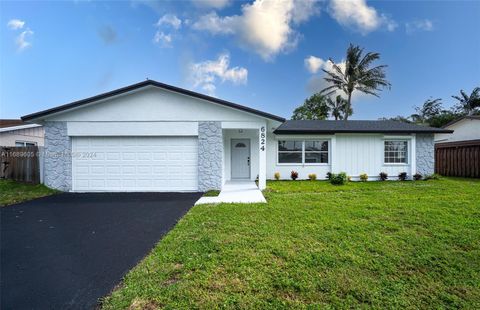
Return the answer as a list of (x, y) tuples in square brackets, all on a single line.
[(459, 159), (20, 164)]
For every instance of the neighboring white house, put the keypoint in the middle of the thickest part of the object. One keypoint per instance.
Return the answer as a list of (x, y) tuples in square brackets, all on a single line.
[(156, 137), (14, 132), (465, 129)]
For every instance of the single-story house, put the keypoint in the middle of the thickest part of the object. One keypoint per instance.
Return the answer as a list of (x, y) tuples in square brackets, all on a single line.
[(466, 128), (15, 132), (152, 136)]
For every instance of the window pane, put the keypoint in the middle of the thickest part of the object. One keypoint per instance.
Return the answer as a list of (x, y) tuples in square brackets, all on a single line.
[(19, 144), (316, 158), (289, 145), (396, 152), (290, 157), (316, 146), (30, 144)]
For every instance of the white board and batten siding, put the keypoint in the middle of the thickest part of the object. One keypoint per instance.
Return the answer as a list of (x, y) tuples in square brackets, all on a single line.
[(351, 153), (135, 164), (363, 153)]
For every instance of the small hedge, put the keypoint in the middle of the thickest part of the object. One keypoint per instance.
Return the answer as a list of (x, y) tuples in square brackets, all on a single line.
[(363, 177), (338, 179), (402, 176)]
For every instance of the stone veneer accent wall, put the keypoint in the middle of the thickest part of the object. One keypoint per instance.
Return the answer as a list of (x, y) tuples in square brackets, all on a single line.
[(58, 158), (425, 157), (210, 156)]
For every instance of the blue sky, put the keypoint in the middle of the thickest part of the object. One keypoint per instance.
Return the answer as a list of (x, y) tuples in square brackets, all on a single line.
[(253, 53)]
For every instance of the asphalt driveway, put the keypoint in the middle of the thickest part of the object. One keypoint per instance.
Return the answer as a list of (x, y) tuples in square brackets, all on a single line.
[(68, 250)]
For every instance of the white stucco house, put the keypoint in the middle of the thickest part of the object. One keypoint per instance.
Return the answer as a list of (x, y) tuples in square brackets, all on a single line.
[(466, 128), (156, 137), (14, 132)]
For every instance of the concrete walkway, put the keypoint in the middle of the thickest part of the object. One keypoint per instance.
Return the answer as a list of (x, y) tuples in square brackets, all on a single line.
[(236, 192)]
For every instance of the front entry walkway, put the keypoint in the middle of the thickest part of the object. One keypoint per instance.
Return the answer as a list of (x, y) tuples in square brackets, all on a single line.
[(236, 192)]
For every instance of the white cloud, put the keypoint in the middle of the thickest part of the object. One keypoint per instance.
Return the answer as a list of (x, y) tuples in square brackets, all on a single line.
[(162, 39), (170, 20), (21, 40), (419, 25), (15, 24), (215, 4), (215, 24), (264, 26), (314, 64), (206, 74), (356, 14)]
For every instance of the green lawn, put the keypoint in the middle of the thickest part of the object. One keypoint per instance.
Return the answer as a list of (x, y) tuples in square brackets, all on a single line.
[(375, 244), (14, 192)]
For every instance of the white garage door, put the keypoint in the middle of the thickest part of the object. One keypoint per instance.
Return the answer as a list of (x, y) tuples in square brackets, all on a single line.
[(135, 163)]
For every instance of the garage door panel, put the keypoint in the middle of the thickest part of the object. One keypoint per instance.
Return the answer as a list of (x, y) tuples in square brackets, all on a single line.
[(136, 164)]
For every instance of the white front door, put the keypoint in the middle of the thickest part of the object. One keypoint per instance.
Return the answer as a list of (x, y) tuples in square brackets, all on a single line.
[(240, 159)]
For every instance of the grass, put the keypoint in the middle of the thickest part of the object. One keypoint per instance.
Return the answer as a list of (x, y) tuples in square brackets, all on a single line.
[(212, 193), (315, 245), (14, 192)]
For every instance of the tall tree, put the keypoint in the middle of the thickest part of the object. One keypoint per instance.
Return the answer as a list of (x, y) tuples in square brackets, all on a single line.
[(430, 108), (338, 107), (313, 108), (466, 104), (358, 75)]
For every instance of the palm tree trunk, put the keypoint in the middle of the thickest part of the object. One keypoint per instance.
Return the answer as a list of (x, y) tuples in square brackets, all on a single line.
[(349, 102)]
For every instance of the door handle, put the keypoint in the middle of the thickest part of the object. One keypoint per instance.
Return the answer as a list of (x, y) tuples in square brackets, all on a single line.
[(248, 160)]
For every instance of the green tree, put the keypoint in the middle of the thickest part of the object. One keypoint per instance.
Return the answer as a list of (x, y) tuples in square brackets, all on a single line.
[(442, 119), (338, 108), (466, 104), (313, 108), (430, 108), (357, 76), (397, 118)]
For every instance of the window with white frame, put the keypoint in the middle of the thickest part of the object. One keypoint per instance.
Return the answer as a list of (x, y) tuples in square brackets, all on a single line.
[(25, 143), (303, 152), (396, 152), (290, 152)]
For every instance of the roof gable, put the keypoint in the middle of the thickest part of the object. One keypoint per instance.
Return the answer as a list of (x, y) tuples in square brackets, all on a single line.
[(461, 119), (148, 83)]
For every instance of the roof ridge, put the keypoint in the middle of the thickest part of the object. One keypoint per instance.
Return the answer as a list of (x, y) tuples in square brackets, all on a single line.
[(148, 82)]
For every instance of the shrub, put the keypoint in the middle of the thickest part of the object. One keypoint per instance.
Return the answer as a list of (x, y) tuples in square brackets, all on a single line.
[(431, 177), (417, 176), (312, 176), (402, 176), (329, 175), (294, 175), (363, 177), (349, 178), (277, 176), (338, 179), (383, 176)]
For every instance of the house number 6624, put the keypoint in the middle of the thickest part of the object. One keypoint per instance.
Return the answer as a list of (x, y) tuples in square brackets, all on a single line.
[(262, 138)]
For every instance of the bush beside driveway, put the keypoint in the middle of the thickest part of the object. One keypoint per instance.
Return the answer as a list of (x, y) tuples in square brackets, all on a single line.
[(373, 244)]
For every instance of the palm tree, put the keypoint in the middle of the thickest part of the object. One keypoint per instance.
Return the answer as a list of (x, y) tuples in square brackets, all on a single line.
[(338, 107), (357, 75), (468, 104), (430, 108)]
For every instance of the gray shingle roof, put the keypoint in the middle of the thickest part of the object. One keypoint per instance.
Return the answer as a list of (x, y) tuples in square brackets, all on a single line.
[(352, 126)]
